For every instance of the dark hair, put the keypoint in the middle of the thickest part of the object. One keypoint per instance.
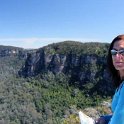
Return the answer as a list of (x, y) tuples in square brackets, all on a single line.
[(114, 73)]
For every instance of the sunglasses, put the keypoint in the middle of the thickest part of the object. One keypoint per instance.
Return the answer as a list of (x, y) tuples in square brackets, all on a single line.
[(114, 52)]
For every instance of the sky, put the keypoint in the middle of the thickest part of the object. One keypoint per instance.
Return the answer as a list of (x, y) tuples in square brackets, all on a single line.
[(37, 23)]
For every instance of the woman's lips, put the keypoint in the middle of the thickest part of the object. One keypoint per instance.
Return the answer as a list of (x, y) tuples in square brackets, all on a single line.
[(119, 63)]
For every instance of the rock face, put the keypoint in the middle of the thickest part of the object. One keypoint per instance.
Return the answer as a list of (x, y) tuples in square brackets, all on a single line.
[(83, 68), (10, 51)]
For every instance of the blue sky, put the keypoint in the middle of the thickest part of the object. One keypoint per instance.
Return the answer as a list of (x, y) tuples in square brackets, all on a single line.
[(35, 23)]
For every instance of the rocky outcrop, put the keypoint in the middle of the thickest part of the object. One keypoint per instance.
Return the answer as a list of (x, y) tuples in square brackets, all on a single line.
[(87, 65), (83, 68)]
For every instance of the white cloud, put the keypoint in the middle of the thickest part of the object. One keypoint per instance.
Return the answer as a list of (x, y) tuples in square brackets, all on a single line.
[(27, 42)]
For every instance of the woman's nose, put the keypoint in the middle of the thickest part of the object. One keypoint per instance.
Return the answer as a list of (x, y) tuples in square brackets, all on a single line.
[(118, 56)]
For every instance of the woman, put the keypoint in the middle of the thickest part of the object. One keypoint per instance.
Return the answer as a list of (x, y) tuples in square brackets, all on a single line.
[(116, 67)]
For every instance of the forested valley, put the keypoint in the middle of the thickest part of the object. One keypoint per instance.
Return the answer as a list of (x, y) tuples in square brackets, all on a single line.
[(50, 85)]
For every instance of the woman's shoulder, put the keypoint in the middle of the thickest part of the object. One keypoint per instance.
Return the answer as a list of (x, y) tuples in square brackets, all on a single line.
[(122, 84), (121, 87)]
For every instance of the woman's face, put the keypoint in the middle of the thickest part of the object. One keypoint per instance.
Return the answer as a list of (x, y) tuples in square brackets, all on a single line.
[(118, 56)]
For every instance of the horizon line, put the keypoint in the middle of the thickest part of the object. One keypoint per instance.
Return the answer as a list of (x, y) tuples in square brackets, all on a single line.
[(34, 42)]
